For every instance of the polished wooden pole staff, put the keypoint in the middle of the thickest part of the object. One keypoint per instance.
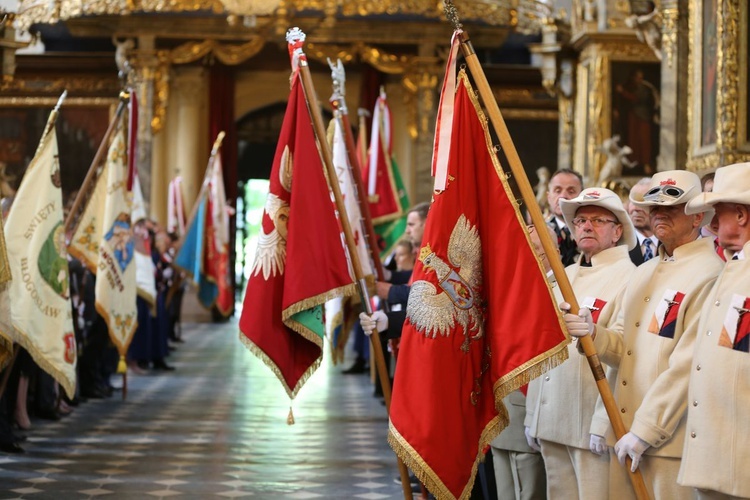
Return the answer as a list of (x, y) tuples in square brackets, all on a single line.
[(88, 181), (327, 157), (527, 193), (204, 185)]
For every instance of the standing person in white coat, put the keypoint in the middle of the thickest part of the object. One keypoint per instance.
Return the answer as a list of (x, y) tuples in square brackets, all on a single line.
[(519, 466), (560, 404), (716, 455), (651, 342)]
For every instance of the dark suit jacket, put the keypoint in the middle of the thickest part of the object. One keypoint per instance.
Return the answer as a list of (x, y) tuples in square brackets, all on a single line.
[(636, 256), (566, 243)]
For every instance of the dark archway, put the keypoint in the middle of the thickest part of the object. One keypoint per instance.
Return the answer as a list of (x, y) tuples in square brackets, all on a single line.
[(257, 135)]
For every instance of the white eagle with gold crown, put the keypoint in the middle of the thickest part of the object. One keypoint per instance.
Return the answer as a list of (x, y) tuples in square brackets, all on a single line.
[(271, 253), (435, 313)]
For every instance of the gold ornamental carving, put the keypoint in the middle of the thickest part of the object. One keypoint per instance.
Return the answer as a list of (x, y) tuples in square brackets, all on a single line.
[(161, 96), (598, 119), (8, 102), (669, 34), (57, 85), (229, 54), (620, 50), (731, 97), (493, 13), (420, 100), (48, 12), (379, 59), (389, 7), (727, 95)]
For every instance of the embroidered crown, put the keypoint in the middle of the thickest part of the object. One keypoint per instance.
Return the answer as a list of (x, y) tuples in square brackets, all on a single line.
[(424, 252)]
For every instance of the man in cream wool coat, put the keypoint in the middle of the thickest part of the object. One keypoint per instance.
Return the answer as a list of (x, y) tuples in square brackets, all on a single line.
[(716, 455), (651, 342), (560, 404)]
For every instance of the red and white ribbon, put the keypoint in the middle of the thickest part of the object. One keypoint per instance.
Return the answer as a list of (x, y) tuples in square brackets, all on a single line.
[(175, 208), (444, 124), (381, 123)]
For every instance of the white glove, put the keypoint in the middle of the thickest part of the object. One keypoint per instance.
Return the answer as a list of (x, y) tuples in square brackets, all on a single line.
[(532, 441), (598, 445), (632, 445), (578, 325), (378, 320)]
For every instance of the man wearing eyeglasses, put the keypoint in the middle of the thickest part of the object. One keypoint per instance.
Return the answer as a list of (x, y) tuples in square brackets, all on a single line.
[(715, 456), (561, 404), (651, 341)]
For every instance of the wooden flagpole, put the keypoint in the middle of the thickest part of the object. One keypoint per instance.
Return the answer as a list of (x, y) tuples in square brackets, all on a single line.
[(327, 157), (363, 114), (529, 199), (91, 174), (177, 283), (204, 185)]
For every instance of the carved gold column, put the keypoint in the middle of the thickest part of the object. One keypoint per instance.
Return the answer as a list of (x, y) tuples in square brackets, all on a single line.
[(566, 109), (422, 101), (673, 130), (161, 173), (188, 154), (160, 176), (145, 62), (727, 60), (557, 65), (8, 47)]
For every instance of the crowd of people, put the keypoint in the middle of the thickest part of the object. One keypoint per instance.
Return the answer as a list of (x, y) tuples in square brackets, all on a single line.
[(31, 394), (663, 286), (662, 281)]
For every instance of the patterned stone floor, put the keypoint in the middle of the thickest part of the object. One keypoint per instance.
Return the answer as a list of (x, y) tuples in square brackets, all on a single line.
[(214, 428)]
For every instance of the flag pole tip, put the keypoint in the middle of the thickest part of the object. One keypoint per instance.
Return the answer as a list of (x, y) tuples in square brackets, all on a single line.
[(290, 417), (294, 35), (217, 143), (451, 13), (61, 99)]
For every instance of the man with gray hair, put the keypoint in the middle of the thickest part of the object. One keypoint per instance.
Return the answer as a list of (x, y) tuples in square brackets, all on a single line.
[(715, 456), (561, 404), (651, 342), (647, 242)]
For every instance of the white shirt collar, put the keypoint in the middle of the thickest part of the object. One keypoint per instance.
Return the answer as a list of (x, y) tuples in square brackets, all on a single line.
[(642, 237)]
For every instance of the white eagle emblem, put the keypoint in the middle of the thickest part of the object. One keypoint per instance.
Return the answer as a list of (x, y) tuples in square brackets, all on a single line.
[(271, 253), (459, 278)]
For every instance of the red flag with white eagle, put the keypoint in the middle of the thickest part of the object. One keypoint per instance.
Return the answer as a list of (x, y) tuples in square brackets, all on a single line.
[(481, 320), (300, 261)]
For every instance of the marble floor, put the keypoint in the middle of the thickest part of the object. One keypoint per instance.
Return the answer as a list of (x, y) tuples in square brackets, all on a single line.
[(213, 428)]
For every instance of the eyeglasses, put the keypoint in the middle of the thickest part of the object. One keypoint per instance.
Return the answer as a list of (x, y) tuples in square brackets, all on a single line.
[(595, 221), (660, 194)]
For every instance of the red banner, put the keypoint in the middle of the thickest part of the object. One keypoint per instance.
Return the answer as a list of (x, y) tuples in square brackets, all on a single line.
[(300, 261), (481, 320)]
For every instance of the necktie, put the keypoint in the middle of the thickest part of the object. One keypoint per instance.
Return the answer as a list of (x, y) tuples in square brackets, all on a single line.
[(648, 253), (736, 257)]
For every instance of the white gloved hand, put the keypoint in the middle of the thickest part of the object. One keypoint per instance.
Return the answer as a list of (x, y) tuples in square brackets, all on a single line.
[(579, 325), (378, 320), (632, 445), (598, 445), (532, 441)]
